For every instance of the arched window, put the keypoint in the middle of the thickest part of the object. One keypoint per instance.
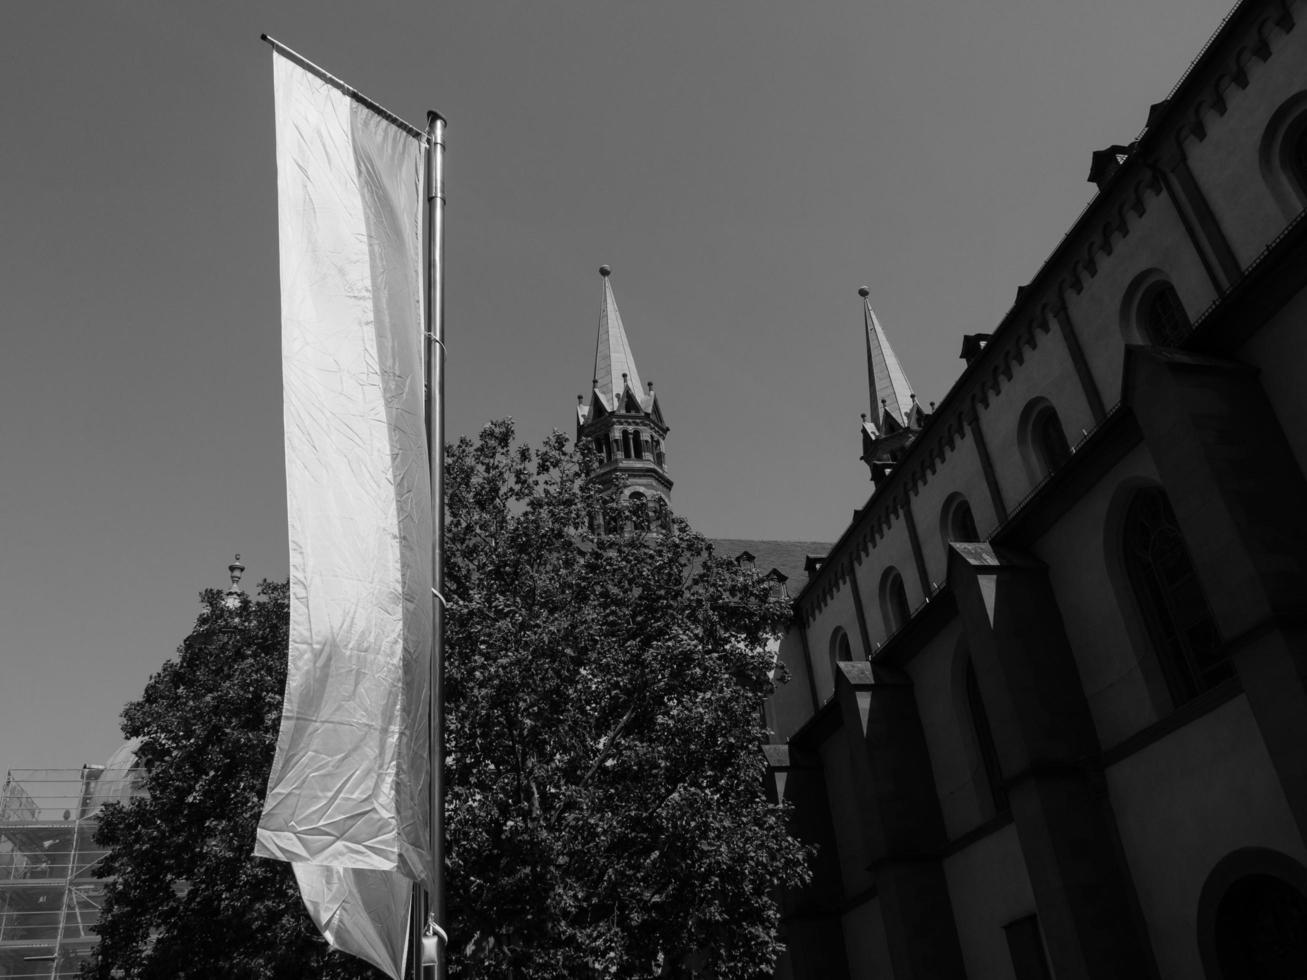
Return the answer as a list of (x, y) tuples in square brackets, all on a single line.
[(1162, 316), (996, 793), (894, 602), (662, 514), (637, 445), (1171, 599), (1282, 154), (626, 444), (1042, 439), (958, 523), (1297, 159), (639, 511), (840, 650), (1261, 930), (1049, 439)]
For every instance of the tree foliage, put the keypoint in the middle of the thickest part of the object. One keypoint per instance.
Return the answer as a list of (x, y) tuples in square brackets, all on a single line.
[(186, 899), (605, 812), (606, 815)]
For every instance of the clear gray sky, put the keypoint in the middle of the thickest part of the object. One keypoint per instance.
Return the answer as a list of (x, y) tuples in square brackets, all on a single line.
[(743, 166)]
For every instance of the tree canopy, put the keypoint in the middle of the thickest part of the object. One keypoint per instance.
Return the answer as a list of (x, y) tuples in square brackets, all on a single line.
[(606, 807), (186, 899), (605, 812)]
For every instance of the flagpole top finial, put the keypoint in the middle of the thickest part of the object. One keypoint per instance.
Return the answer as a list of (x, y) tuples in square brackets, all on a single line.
[(605, 271), (864, 292)]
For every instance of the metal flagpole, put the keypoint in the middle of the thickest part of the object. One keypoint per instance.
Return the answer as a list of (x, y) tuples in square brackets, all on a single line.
[(434, 369), (427, 913)]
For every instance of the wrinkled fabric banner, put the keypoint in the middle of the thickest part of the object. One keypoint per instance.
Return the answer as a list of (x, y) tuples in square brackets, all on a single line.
[(360, 911), (349, 782)]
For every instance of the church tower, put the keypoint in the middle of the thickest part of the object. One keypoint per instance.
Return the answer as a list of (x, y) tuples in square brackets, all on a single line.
[(623, 421), (896, 418)]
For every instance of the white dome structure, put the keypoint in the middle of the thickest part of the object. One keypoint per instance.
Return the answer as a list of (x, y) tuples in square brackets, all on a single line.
[(117, 781)]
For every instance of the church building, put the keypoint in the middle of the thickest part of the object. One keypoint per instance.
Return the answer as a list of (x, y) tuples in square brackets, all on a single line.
[(623, 421), (1047, 707), (625, 425)]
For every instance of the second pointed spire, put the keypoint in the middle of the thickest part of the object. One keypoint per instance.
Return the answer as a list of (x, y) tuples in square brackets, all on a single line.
[(614, 363), (891, 395)]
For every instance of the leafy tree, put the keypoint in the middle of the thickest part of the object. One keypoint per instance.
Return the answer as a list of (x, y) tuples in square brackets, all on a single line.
[(606, 811), (187, 900), (605, 814)]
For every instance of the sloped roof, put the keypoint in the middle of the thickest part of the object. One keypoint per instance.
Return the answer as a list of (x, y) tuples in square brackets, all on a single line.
[(787, 557)]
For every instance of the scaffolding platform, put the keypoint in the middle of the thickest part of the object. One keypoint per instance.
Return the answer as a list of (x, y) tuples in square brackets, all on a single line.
[(50, 897)]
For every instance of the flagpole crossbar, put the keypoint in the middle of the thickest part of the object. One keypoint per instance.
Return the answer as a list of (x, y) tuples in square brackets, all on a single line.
[(299, 59)]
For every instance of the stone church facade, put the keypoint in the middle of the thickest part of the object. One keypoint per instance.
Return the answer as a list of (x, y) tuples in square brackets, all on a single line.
[(1047, 708), (1046, 714)]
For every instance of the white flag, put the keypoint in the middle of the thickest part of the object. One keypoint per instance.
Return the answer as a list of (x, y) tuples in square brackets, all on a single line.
[(348, 794)]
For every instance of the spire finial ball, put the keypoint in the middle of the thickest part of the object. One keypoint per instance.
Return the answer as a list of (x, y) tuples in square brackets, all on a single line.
[(605, 271), (864, 292)]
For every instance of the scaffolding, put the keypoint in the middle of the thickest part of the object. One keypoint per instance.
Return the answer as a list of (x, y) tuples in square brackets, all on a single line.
[(50, 896)]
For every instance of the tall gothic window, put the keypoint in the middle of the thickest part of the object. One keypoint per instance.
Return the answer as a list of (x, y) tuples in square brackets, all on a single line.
[(1298, 159), (840, 650), (894, 602), (1049, 440), (959, 522), (639, 511), (1163, 316), (637, 445), (1171, 599), (626, 444), (1261, 930)]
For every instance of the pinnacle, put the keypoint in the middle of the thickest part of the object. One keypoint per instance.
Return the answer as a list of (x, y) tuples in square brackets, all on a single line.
[(614, 362), (886, 378)]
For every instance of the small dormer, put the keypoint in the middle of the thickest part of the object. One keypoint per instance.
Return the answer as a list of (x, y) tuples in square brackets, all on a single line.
[(1106, 162), (973, 344)]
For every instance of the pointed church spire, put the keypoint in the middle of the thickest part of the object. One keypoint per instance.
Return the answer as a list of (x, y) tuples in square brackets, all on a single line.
[(896, 418), (623, 422), (614, 363), (891, 395)]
